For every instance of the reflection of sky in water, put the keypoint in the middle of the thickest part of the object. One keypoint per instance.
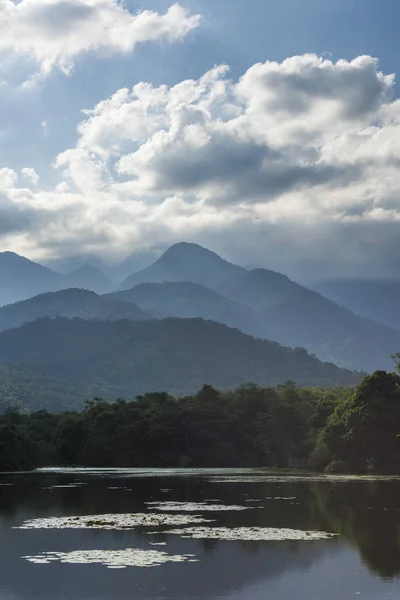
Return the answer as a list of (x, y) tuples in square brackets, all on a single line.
[(365, 558)]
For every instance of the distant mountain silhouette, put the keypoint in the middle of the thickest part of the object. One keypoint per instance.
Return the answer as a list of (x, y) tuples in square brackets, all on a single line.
[(186, 262), (190, 300), (22, 278), (277, 308), (126, 358), (69, 303), (297, 316), (375, 299), (190, 281), (89, 278)]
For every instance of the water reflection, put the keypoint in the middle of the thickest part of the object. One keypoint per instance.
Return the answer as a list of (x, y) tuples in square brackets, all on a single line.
[(365, 514)]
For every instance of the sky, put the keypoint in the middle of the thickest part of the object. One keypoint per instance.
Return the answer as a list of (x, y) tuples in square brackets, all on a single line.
[(266, 131)]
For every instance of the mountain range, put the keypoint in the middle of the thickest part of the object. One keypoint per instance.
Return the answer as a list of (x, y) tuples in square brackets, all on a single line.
[(375, 299), (189, 281), (21, 278), (71, 303)]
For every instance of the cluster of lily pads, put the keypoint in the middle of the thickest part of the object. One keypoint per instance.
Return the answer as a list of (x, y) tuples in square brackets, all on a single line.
[(112, 521), (112, 559), (171, 515), (250, 534), (194, 506)]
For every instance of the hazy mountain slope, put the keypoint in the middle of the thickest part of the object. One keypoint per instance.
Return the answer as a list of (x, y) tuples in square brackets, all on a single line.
[(68, 303), (191, 300), (126, 358), (22, 278), (89, 278), (377, 300), (278, 308), (297, 316), (186, 262)]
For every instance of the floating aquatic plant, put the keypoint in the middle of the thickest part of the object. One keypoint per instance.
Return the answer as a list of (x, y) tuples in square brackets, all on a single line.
[(112, 559), (281, 498), (250, 534), (193, 506), (158, 543), (112, 521)]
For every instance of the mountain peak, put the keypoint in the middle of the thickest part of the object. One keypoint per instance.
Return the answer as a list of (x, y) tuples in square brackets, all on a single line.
[(90, 278), (13, 257), (187, 262), (185, 251)]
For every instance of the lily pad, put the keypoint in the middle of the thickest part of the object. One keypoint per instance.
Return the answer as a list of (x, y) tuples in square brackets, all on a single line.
[(112, 521), (250, 534), (194, 506), (112, 559)]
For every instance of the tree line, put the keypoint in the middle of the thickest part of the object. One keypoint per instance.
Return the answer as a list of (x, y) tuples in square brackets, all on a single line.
[(336, 430)]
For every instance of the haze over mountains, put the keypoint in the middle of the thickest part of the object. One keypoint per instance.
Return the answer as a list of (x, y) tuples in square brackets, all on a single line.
[(71, 303), (187, 262), (376, 299), (21, 278), (189, 318)]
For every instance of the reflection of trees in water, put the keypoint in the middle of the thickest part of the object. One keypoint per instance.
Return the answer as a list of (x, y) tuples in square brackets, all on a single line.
[(334, 507), (367, 514), (223, 567)]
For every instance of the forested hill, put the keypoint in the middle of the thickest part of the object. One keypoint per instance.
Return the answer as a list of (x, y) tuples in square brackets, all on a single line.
[(69, 303), (339, 430), (127, 358)]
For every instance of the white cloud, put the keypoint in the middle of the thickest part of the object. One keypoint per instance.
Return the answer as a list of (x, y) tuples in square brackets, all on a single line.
[(296, 159), (8, 179), (53, 33), (31, 175)]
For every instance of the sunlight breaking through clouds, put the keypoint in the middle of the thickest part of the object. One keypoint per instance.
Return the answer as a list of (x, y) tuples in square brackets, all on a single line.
[(303, 149)]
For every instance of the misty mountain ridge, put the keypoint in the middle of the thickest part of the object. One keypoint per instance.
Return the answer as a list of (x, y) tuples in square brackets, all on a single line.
[(21, 278), (186, 262), (72, 303), (262, 303), (190, 300), (374, 299), (278, 308), (89, 278)]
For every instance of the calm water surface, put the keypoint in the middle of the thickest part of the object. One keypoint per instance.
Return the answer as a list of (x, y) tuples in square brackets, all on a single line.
[(363, 561)]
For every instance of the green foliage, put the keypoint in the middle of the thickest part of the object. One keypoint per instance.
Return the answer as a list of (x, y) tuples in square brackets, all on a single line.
[(80, 359), (30, 390), (339, 430), (251, 426), (363, 433)]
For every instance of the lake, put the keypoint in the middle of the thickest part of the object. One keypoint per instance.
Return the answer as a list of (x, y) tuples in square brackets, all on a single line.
[(195, 534)]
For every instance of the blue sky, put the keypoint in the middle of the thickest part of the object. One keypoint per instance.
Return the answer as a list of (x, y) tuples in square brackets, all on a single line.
[(296, 200)]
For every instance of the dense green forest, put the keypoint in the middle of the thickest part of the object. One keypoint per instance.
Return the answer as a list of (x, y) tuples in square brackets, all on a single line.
[(126, 358), (337, 430)]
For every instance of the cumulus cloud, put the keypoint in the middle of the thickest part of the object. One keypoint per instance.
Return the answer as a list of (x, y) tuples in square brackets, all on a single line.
[(295, 165), (53, 33), (31, 175)]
